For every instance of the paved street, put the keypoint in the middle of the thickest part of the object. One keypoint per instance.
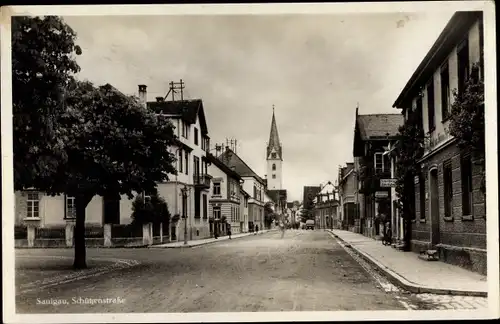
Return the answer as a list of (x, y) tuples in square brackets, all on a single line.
[(305, 271)]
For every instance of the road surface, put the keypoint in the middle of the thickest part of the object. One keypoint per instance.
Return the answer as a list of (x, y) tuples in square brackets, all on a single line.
[(304, 271)]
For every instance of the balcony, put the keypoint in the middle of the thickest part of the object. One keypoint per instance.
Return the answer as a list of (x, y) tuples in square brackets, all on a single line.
[(202, 181)]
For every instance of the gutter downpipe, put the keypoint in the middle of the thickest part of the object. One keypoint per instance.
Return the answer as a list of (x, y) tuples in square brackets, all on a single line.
[(176, 193)]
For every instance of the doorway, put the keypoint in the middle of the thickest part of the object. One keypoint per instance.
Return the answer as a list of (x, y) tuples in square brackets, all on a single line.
[(111, 210), (434, 206)]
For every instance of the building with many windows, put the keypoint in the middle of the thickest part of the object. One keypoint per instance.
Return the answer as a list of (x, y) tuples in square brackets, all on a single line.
[(450, 213), (193, 178), (225, 198), (252, 184)]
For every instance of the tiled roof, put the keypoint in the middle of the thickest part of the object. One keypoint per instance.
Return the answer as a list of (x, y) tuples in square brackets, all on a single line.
[(218, 163), (186, 109), (231, 159), (379, 125)]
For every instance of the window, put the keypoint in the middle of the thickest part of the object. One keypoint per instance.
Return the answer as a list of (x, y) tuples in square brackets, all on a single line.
[(274, 176), (466, 175), (274, 167), (418, 111), (273, 155), (185, 129), (196, 166), (445, 92), (33, 205), (216, 188), (180, 160), (246, 202), (379, 162), (422, 195), (463, 64), (216, 212), (70, 208), (430, 105), (448, 188), (196, 136), (205, 206), (254, 191), (186, 167)]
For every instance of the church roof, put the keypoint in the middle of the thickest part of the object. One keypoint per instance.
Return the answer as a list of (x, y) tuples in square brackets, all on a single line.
[(274, 139)]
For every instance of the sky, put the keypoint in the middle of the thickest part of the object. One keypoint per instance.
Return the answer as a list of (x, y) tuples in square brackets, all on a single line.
[(315, 70)]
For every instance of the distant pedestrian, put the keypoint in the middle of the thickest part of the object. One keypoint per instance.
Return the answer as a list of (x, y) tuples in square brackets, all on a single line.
[(282, 229), (387, 234), (256, 229), (229, 231)]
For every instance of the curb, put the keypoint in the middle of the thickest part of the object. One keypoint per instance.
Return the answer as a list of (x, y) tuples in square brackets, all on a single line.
[(188, 246), (76, 275), (402, 282)]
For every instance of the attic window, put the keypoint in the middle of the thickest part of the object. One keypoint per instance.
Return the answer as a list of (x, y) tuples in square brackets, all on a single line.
[(273, 155)]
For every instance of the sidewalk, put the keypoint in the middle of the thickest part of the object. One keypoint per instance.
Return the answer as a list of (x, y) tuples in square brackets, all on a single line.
[(406, 270), (193, 243)]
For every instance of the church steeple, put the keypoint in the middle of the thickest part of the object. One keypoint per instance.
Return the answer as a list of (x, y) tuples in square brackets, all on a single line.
[(274, 144), (274, 158)]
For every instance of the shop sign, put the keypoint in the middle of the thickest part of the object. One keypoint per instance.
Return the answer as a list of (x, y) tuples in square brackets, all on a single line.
[(381, 194), (387, 183)]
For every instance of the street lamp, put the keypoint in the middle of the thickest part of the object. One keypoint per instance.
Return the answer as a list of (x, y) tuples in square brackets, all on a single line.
[(184, 192)]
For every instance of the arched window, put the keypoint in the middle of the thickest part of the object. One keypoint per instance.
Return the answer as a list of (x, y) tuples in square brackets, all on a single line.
[(274, 167)]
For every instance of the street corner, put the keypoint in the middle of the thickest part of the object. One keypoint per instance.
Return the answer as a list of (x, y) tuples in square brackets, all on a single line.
[(36, 273)]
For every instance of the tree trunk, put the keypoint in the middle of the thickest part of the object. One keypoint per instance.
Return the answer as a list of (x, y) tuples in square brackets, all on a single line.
[(81, 202)]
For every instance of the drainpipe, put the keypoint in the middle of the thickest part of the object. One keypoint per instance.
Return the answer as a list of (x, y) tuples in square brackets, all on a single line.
[(176, 207)]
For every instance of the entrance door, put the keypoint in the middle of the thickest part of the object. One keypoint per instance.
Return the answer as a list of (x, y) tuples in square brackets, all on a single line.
[(434, 206), (111, 210)]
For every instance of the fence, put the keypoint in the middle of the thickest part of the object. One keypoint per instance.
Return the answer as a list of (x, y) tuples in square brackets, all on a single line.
[(95, 236)]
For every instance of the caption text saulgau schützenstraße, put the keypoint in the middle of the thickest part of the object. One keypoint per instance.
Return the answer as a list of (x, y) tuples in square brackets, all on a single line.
[(79, 300)]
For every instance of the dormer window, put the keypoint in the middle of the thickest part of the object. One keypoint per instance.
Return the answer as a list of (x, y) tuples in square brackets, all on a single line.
[(273, 155)]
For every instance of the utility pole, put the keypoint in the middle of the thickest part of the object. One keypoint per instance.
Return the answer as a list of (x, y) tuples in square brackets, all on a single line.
[(174, 86)]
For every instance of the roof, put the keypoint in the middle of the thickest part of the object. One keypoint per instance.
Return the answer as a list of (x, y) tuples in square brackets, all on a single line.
[(212, 159), (188, 110), (231, 159), (277, 195), (274, 139), (452, 34), (379, 126), (246, 194), (310, 192)]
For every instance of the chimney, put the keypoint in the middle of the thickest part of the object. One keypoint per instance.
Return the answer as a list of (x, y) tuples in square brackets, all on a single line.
[(143, 96), (160, 99)]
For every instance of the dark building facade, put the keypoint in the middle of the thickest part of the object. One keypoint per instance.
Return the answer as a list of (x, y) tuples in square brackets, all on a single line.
[(450, 213), (372, 136)]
